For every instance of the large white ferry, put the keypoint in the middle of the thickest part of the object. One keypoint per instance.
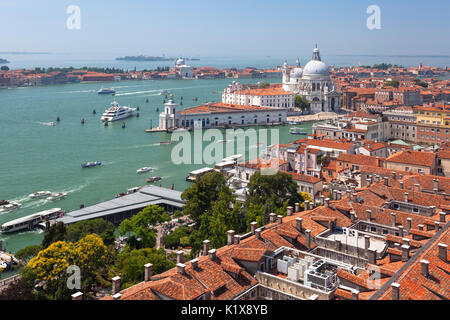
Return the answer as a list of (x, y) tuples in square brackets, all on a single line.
[(117, 112), (31, 221)]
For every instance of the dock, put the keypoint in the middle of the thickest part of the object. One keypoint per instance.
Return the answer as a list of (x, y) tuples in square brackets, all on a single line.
[(118, 209), (150, 130)]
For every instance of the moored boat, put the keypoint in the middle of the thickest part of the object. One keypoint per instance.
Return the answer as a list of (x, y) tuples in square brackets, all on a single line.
[(31, 221), (9, 207), (116, 112), (297, 131), (153, 179)]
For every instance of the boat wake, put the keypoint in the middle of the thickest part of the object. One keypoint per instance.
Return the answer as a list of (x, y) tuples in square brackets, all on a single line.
[(48, 124)]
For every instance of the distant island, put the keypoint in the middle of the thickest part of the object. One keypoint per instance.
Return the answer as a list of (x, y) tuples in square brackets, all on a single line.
[(151, 58), (3, 60)]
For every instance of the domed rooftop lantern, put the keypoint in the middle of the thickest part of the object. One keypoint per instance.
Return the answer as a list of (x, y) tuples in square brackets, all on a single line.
[(316, 54)]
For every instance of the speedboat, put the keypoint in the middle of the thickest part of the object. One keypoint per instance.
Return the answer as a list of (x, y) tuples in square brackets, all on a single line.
[(145, 169), (106, 91), (40, 194), (165, 142), (116, 112), (57, 196), (91, 164), (9, 207), (153, 179), (4, 202)]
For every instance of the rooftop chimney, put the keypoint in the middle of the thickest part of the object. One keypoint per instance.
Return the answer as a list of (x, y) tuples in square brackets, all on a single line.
[(272, 217), (435, 185), (308, 239), (212, 254), (418, 188), (253, 227), (437, 225), (77, 296), (306, 204), (180, 256), (148, 272), (354, 197), (290, 211), (442, 252), (406, 241), (421, 227), (406, 196), (366, 242), (386, 181), (405, 252), (258, 233), (297, 207), (280, 219), (394, 175), (372, 256), (205, 247), (327, 202), (298, 224), (117, 296), (369, 214), (339, 195), (395, 291), (349, 194), (369, 181), (393, 219), (230, 237), (400, 231), (115, 285), (424, 268), (353, 215), (194, 264), (181, 268), (355, 294), (408, 223), (402, 185), (442, 217), (237, 239)]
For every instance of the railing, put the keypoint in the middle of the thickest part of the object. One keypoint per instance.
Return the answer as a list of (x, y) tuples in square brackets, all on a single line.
[(6, 282)]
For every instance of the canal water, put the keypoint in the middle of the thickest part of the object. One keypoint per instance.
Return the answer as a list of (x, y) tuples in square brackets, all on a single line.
[(35, 156)]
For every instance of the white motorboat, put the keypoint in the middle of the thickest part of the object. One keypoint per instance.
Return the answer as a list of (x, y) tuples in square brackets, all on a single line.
[(117, 112), (57, 196), (144, 169), (9, 207), (40, 194)]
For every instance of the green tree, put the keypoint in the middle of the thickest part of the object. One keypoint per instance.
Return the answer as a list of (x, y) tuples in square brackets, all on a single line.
[(101, 227), (393, 83), (28, 253), (301, 103), (55, 233), (173, 240)]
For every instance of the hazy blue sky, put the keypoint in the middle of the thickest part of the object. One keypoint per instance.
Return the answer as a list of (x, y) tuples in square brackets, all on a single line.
[(227, 27)]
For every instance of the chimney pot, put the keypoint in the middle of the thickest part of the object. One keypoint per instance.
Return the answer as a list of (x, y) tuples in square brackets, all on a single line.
[(115, 285), (436, 185), (194, 263), (355, 294), (327, 202), (148, 271), (408, 223), (402, 185), (369, 214), (442, 252), (421, 226), (442, 216), (306, 205), (253, 227), (280, 219), (437, 225), (400, 231), (366, 242), (205, 247), (272, 217), (372, 256), (406, 196), (298, 224), (180, 256), (353, 216), (290, 211), (230, 237), (297, 207), (258, 233), (308, 239), (425, 268), (394, 175), (393, 219), (77, 296), (405, 252), (386, 181), (181, 268), (395, 291), (212, 254), (237, 239)]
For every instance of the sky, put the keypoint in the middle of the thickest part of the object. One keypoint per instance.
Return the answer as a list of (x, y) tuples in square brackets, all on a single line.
[(226, 27)]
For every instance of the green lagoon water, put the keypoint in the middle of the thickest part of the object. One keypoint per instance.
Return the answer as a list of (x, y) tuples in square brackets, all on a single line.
[(35, 156)]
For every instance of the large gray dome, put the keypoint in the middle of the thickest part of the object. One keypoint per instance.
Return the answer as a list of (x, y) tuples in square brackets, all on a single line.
[(315, 67)]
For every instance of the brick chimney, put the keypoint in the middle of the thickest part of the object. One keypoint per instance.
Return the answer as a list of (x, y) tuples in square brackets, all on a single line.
[(405, 252), (272, 217), (443, 252), (237, 239), (395, 291), (406, 196), (115, 285), (442, 217), (148, 272), (180, 256), (435, 185), (77, 296), (253, 226), (297, 207), (402, 185), (394, 175), (212, 254), (205, 247), (408, 223), (424, 268), (194, 264), (386, 181), (437, 225), (258, 233), (308, 239), (327, 202), (290, 211), (354, 196), (421, 227), (298, 224), (280, 219), (400, 231), (355, 294), (230, 237), (353, 216), (181, 268), (306, 204)]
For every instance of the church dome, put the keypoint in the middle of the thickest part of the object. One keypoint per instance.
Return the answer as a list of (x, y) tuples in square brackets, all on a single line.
[(297, 73), (180, 61), (315, 67)]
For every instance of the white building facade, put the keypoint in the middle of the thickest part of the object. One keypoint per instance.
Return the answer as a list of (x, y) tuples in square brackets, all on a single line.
[(313, 82)]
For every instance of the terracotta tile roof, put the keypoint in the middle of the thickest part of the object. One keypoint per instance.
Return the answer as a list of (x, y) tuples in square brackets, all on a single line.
[(418, 158), (219, 107), (303, 178), (359, 159), (248, 254)]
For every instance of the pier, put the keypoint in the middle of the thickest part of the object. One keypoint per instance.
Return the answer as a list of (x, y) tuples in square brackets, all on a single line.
[(118, 209)]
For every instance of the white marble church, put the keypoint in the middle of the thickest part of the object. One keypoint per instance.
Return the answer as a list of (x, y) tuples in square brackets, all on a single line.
[(313, 82)]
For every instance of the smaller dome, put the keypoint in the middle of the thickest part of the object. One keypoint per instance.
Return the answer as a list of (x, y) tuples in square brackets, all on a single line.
[(297, 73)]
